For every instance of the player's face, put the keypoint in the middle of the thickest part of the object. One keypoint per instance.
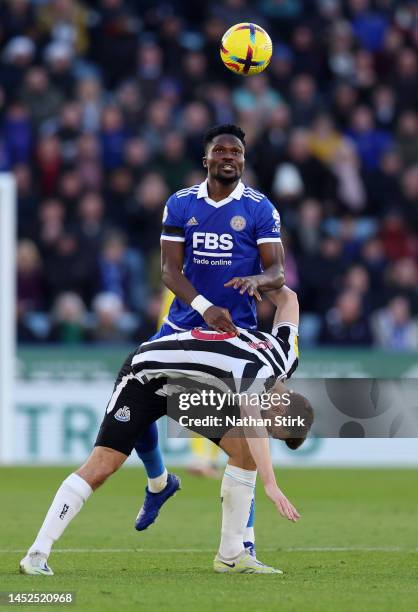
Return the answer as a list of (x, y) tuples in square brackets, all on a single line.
[(224, 158)]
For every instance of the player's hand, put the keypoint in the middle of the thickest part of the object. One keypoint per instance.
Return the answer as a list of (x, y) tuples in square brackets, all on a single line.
[(247, 284), (220, 320), (283, 505)]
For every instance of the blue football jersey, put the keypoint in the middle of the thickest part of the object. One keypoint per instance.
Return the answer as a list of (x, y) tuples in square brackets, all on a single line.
[(220, 241)]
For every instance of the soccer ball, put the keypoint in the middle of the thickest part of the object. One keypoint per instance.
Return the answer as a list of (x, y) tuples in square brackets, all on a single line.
[(246, 49)]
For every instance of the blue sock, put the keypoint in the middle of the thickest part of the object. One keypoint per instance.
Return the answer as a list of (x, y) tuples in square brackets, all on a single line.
[(148, 451), (249, 535)]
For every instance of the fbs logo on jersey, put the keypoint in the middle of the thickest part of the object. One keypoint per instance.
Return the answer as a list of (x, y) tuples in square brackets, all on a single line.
[(123, 414), (211, 241), (192, 221)]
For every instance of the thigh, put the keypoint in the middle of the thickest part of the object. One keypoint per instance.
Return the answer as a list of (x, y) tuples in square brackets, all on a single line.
[(131, 410)]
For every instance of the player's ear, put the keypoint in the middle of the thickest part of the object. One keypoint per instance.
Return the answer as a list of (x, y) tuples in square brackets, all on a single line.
[(204, 161)]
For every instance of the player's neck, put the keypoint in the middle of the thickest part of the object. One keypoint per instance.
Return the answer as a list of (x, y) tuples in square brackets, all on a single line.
[(218, 191)]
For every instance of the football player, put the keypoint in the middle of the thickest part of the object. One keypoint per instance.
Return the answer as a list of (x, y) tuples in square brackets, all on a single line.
[(247, 361), (220, 248)]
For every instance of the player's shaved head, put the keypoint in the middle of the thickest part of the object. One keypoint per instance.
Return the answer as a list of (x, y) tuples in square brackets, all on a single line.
[(224, 128), (224, 154)]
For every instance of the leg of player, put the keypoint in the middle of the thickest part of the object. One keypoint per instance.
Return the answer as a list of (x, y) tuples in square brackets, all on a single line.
[(161, 485), (72, 494), (237, 493)]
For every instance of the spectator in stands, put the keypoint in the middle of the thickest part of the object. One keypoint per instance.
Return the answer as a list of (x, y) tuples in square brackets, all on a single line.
[(373, 258), (48, 165), (41, 98), (408, 201), (383, 185), (307, 229), (304, 100), (91, 226), (407, 137), (17, 132), (397, 239), (145, 213), (321, 275), (369, 142), (346, 324), (108, 328), (402, 279), (68, 320), (394, 328), (68, 131), (89, 94), (318, 181), (30, 289), (113, 138), (17, 57), (27, 198), (88, 162), (58, 57), (50, 226), (68, 267), (405, 78), (350, 188), (121, 272), (324, 140), (173, 163)]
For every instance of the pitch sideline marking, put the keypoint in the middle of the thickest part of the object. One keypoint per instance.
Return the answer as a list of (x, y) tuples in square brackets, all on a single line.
[(210, 550)]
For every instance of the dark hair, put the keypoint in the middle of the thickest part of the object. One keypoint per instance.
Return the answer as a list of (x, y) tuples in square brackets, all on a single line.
[(225, 128), (299, 406)]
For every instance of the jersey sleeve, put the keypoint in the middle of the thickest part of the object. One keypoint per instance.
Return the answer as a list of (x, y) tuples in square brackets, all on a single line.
[(267, 222), (287, 336), (173, 223)]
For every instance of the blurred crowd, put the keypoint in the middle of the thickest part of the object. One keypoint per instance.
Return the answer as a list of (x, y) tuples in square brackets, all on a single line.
[(102, 110)]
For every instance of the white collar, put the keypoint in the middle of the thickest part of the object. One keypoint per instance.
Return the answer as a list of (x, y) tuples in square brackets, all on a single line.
[(235, 195)]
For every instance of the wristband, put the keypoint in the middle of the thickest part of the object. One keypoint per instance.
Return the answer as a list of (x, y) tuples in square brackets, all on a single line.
[(200, 304)]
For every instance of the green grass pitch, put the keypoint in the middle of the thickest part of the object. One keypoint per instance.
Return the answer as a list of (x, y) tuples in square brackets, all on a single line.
[(354, 549)]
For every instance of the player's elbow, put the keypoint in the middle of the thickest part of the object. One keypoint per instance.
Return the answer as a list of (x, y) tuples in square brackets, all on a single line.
[(278, 280)]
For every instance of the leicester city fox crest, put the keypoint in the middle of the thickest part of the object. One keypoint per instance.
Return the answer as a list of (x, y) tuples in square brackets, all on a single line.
[(238, 223)]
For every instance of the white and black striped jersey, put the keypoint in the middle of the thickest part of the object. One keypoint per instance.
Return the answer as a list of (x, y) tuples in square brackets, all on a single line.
[(252, 361)]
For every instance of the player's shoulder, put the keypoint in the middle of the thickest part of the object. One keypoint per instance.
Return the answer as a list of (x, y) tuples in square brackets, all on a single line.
[(253, 194), (258, 200), (188, 191)]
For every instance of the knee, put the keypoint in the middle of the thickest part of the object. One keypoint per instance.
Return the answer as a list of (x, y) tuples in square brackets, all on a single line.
[(97, 469)]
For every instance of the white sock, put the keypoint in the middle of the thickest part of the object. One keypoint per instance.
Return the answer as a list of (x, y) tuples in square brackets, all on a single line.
[(155, 485), (69, 499), (237, 491)]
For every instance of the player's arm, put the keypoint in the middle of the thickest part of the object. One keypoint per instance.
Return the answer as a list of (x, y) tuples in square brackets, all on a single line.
[(172, 261), (287, 306), (258, 443), (287, 314), (272, 277)]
